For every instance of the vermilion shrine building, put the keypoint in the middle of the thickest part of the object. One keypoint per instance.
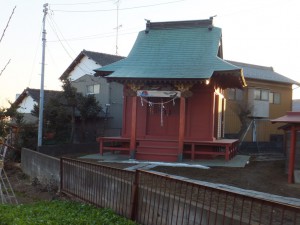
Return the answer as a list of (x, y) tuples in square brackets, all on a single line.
[(174, 79)]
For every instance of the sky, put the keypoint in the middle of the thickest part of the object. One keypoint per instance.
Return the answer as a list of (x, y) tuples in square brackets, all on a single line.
[(260, 32)]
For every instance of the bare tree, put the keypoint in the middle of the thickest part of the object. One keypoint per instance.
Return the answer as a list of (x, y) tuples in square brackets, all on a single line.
[(3, 33), (7, 24), (4, 67), (243, 111)]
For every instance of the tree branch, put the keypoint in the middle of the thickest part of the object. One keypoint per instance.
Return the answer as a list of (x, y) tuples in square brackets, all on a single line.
[(7, 24), (4, 67)]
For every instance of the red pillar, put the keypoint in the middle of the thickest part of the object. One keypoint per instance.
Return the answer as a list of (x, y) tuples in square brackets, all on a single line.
[(133, 128), (292, 155), (181, 127)]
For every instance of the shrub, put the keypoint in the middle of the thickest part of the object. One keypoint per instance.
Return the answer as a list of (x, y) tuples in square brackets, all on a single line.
[(59, 212)]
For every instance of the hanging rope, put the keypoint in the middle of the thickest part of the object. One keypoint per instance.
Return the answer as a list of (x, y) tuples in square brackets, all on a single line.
[(161, 104), (162, 114), (157, 103)]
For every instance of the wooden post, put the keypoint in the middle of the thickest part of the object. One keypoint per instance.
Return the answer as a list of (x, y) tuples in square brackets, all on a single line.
[(134, 196), (101, 146), (61, 174), (133, 128), (193, 151), (292, 155), (181, 127), (227, 152)]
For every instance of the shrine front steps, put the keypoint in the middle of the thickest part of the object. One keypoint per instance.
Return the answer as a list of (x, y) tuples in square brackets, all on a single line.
[(157, 150)]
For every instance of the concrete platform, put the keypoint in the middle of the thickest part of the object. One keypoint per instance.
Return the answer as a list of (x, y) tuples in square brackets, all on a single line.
[(237, 161)]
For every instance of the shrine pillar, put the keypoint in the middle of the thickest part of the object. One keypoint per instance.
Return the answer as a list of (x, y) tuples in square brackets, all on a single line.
[(181, 128), (133, 90), (133, 128), (292, 155), (185, 92)]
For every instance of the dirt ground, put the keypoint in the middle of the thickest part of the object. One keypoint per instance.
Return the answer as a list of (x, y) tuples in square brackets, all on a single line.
[(263, 176), (28, 190)]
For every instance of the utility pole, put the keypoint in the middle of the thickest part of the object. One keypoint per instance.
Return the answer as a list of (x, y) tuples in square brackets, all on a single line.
[(41, 105)]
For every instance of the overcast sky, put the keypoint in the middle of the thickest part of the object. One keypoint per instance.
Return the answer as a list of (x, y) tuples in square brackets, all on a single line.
[(261, 32)]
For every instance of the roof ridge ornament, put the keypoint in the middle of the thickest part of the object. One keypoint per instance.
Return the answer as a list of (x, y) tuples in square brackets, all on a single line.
[(208, 23), (147, 26)]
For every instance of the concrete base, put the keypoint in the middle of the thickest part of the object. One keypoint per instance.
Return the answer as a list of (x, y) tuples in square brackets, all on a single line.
[(297, 176), (132, 154)]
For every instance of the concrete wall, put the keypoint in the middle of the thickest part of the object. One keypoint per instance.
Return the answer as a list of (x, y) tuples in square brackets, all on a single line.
[(110, 99), (66, 149), (43, 167)]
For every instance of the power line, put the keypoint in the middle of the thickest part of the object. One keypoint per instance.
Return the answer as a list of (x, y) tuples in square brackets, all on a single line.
[(96, 36), (109, 10), (54, 26), (55, 32), (83, 3), (34, 60)]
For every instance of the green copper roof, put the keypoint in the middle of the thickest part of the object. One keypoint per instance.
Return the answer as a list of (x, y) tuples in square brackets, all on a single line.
[(182, 52)]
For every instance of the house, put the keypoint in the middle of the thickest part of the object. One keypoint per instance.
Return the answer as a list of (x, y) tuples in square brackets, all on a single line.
[(108, 94), (268, 95), (296, 105), (30, 97), (174, 78)]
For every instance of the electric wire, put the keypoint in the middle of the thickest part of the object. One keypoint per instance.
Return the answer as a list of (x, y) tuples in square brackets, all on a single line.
[(34, 58), (87, 69), (83, 3), (109, 10), (54, 25), (92, 38), (56, 29)]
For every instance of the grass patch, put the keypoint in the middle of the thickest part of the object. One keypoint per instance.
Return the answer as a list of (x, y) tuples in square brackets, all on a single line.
[(59, 212)]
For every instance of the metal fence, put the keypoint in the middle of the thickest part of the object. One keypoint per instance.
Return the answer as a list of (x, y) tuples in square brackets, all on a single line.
[(99, 185), (157, 199)]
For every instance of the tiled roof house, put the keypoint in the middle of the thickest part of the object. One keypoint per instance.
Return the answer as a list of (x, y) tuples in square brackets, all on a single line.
[(30, 97), (268, 95), (108, 94)]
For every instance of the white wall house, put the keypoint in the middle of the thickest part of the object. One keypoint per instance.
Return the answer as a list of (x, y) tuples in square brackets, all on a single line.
[(30, 97), (109, 95)]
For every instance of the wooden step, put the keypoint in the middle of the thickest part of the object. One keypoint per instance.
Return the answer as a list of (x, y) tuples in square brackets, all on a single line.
[(157, 153), (157, 150), (148, 156), (158, 143)]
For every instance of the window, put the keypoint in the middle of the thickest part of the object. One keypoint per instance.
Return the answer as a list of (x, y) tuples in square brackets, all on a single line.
[(261, 94), (264, 95), (235, 94), (93, 89), (271, 97), (274, 98)]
